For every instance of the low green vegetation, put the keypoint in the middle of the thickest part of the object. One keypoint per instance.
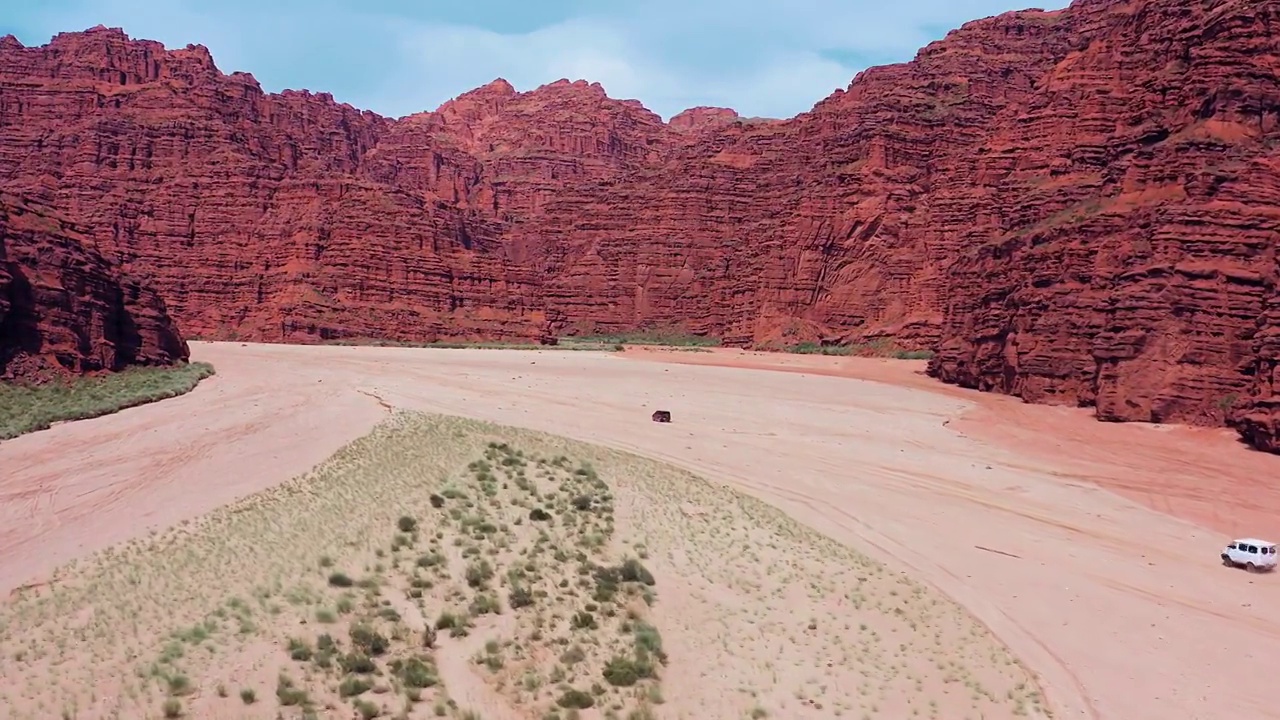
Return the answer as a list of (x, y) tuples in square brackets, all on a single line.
[(582, 344), (26, 408), (667, 336), (589, 341), (515, 568), (867, 349)]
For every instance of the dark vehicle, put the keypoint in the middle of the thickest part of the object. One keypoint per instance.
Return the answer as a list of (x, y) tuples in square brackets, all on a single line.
[(662, 416)]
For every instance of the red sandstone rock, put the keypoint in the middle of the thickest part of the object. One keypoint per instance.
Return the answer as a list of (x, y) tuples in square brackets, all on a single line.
[(63, 308), (702, 118), (1130, 208), (1071, 206)]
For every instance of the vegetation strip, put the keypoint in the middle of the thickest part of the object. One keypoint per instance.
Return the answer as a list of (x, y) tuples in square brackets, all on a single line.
[(27, 408)]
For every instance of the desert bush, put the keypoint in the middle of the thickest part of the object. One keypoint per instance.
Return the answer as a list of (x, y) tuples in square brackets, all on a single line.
[(288, 694), (625, 672), (429, 560), (179, 684), (633, 570), (299, 650), (415, 673), (479, 573), (484, 604), (367, 710), (368, 640), (519, 597), (573, 698), (357, 663), (649, 641), (353, 685)]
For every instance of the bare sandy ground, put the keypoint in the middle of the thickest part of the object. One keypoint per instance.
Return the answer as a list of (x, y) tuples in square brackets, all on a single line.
[(556, 575), (1123, 612), (1173, 469)]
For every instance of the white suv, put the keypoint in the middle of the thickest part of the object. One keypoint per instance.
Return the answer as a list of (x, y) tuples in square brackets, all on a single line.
[(1254, 555)]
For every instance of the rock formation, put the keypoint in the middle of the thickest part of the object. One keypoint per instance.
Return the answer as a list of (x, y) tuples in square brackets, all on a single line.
[(1072, 207), (1128, 260), (64, 309)]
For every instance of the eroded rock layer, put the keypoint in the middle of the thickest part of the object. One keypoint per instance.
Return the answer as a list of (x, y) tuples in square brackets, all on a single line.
[(64, 309), (1131, 208), (1073, 207)]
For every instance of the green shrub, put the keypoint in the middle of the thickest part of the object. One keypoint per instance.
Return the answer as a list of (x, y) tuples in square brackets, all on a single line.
[(633, 570), (368, 640), (479, 573), (625, 672), (519, 597), (299, 650), (415, 673), (367, 710), (573, 698), (288, 694), (353, 685), (357, 663), (649, 641)]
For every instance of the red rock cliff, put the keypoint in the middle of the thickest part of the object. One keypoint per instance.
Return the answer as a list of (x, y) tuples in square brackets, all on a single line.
[(1073, 206), (1130, 212), (63, 308)]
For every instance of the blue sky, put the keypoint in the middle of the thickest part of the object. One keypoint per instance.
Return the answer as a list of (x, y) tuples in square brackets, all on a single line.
[(396, 57)]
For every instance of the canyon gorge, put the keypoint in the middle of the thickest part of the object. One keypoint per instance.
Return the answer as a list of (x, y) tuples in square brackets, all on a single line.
[(1074, 207)]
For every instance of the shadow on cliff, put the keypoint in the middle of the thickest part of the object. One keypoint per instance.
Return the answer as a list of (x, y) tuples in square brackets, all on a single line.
[(19, 331)]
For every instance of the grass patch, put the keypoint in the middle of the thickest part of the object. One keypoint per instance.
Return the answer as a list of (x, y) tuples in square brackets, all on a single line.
[(28, 408), (867, 349), (572, 343), (668, 336)]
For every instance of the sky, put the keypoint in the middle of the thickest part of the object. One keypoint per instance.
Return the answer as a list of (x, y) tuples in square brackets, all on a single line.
[(767, 58)]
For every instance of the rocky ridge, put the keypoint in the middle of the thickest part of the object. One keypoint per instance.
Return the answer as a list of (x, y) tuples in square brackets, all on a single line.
[(1071, 206)]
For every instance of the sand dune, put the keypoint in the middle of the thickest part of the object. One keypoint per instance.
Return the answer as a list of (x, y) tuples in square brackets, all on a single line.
[(1121, 612)]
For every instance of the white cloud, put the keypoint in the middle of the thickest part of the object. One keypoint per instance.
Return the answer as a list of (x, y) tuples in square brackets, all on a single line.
[(453, 59), (763, 58)]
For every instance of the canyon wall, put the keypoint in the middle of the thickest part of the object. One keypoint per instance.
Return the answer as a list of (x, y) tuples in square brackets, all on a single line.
[(1134, 199), (1072, 207), (64, 309)]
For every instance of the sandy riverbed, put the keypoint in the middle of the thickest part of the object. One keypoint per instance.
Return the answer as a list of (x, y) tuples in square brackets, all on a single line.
[(1123, 612)]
